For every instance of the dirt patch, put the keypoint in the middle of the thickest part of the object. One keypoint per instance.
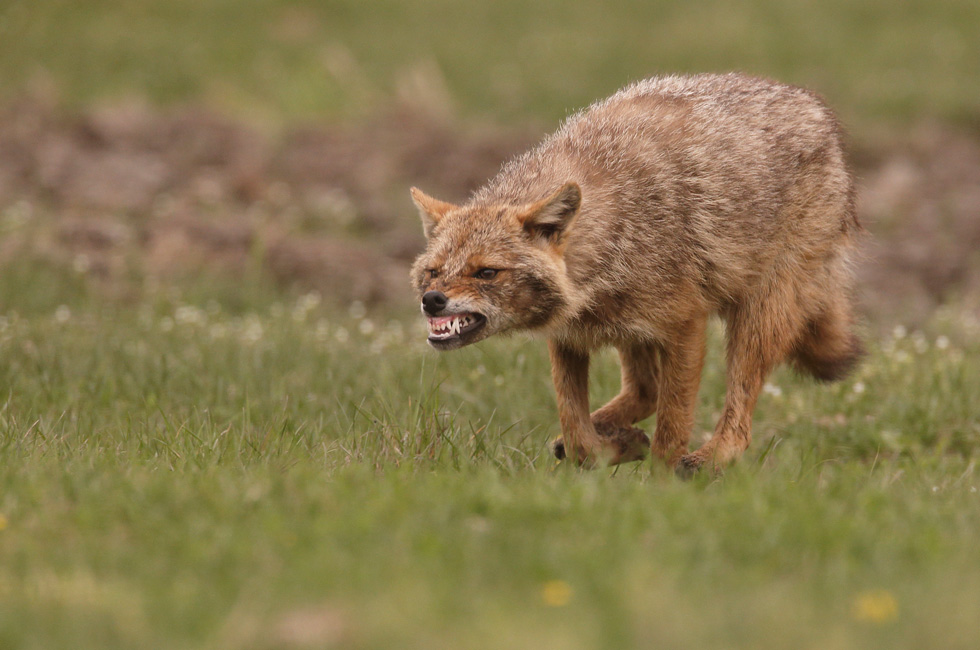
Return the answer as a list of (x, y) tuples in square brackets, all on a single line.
[(127, 191), (131, 192), (920, 199)]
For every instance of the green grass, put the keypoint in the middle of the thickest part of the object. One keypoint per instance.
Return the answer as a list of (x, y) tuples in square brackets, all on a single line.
[(274, 60), (199, 465), (184, 476)]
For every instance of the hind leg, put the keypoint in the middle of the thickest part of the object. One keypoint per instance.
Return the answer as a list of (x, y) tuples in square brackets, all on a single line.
[(637, 400), (761, 333)]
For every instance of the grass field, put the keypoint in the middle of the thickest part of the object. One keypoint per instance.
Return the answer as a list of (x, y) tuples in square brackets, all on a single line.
[(272, 60), (180, 476), (188, 462)]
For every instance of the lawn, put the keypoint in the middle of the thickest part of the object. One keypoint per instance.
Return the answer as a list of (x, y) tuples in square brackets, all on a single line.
[(273, 60), (197, 450), (182, 476)]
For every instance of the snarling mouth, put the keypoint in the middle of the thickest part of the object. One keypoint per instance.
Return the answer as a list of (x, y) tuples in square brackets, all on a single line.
[(454, 330)]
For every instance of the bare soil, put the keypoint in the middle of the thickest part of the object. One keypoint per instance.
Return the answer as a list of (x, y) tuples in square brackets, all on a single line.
[(129, 192)]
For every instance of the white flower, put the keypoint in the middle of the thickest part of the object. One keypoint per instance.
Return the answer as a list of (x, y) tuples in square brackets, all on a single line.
[(772, 389), (942, 342), (62, 314), (858, 387), (342, 335), (189, 315), (252, 331), (305, 305), (920, 342), (82, 263), (322, 331), (357, 310)]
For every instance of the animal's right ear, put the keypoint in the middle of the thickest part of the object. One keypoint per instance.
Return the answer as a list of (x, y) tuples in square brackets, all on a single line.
[(431, 210)]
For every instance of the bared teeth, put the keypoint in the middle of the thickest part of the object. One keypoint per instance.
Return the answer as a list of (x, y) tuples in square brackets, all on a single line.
[(450, 326)]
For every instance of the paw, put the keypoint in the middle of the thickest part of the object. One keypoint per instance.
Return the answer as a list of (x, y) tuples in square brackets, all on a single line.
[(619, 445), (558, 448), (688, 466), (627, 443)]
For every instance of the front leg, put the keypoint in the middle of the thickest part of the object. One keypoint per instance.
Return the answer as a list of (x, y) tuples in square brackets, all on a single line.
[(570, 374), (637, 398), (581, 441), (680, 376), (636, 401)]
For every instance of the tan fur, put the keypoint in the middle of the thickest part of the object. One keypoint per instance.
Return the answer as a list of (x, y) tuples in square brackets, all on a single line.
[(676, 198)]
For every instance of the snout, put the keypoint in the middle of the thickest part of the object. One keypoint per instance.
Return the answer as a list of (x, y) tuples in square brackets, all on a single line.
[(434, 302)]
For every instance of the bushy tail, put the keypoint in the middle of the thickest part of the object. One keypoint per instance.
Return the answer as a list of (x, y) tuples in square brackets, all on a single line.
[(828, 349)]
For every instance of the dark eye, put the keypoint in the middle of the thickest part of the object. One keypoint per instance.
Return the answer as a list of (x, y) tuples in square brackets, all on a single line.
[(486, 274), (432, 273)]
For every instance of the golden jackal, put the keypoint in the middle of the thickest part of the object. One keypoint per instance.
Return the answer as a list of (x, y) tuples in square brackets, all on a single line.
[(675, 198)]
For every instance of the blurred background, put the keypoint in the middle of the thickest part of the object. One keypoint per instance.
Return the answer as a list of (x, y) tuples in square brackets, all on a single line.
[(242, 150)]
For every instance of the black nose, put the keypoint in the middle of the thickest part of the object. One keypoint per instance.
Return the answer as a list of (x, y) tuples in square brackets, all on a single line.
[(434, 302)]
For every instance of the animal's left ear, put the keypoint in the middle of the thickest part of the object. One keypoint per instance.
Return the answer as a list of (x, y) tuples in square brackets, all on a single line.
[(431, 210), (549, 219)]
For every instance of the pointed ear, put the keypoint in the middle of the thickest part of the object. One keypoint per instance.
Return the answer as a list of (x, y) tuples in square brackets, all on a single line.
[(431, 210), (549, 218)]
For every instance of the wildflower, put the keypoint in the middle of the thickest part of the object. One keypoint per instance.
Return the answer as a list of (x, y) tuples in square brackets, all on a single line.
[(189, 315), (899, 332), (556, 593), (62, 314), (342, 335), (218, 331), (942, 342), (252, 331), (305, 305), (322, 331), (878, 606), (920, 343), (772, 389), (309, 301), (3, 522), (81, 264), (858, 387), (357, 310)]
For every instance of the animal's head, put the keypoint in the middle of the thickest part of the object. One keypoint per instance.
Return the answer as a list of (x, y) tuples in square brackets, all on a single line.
[(492, 268)]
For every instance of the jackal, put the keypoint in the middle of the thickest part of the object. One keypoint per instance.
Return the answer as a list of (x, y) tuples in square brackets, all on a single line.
[(674, 199)]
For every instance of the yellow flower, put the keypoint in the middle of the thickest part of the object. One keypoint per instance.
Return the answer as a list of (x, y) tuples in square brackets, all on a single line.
[(3, 522), (878, 606), (556, 593)]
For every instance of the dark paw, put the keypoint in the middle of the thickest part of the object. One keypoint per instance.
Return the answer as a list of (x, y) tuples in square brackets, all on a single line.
[(558, 448)]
